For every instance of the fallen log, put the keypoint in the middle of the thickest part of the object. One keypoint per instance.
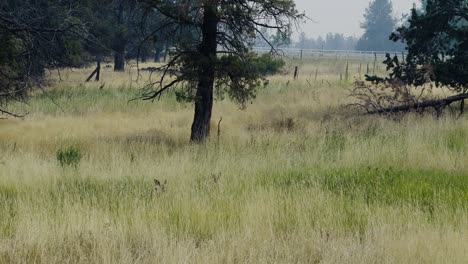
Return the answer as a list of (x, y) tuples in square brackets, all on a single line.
[(437, 104)]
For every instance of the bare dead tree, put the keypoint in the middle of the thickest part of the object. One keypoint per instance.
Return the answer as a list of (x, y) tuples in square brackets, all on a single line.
[(394, 96)]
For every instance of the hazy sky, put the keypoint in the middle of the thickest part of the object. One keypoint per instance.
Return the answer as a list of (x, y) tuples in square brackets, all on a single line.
[(341, 16)]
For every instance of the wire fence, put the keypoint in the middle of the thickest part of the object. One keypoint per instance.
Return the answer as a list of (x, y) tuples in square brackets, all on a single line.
[(350, 55)]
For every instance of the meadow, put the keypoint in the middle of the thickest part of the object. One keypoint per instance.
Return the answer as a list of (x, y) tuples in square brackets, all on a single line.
[(296, 177)]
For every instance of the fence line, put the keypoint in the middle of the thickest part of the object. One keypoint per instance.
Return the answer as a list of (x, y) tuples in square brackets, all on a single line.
[(330, 54)]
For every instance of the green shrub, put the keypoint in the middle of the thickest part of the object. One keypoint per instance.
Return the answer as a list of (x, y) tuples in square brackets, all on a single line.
[(268, 64), (70, 156)]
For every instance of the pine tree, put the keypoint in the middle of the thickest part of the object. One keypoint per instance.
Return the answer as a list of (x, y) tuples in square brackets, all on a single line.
[(218, 58), (378, 25), (437, 38), (302, 40)]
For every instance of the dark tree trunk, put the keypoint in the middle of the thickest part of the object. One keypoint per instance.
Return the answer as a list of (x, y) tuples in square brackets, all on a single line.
[(437, 104), (157, 55), (204, 96), (165, 52), (119, 60), (119, 39)]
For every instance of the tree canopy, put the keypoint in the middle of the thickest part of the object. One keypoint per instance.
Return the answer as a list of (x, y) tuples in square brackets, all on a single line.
[(378, 24), (332, 41), (36, 35), (437, 40)]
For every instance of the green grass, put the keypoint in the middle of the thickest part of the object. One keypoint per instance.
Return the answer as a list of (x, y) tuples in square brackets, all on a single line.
[(423, 189), (418, 188)]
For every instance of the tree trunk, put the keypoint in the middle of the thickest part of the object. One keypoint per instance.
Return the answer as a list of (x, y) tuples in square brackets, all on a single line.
[(119, 60), (165, 52), (206, 68), (157, 54), (437, 104)]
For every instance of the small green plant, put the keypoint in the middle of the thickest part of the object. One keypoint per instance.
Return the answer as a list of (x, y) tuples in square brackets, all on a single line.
[(69, 156)]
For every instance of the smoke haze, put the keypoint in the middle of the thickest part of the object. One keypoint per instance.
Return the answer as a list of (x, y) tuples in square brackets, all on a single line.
[(341, 16)]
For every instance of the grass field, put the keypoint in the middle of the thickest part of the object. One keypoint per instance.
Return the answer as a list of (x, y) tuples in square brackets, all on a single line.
[(295, 178)]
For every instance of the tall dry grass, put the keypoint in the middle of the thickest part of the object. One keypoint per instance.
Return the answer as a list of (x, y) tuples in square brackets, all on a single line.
[(294, 178)]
